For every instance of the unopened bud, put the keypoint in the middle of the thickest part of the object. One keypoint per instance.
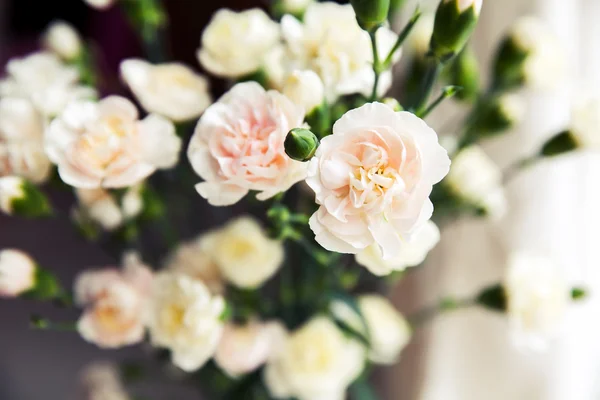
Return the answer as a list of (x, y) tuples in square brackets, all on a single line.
[(17, 273), (393, 104), (500, 114), (455, 21), (294, 7), (61, 38), (21, 198), (301, 144), (371, 13), (464, 72)]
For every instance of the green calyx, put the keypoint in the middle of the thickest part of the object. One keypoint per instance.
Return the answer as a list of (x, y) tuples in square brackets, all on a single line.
[(371, 13), (301, 144)]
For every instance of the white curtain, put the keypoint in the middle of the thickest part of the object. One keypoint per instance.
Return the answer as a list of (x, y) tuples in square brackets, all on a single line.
[(555, 209)]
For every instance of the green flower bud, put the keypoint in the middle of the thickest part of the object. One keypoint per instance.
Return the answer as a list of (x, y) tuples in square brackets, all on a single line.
[(455, 21), (393, 104), (499, 115), (21, 198), (395, 6), (301, 144), (561, 143), (464, 72), (371, 13), (493, 298)]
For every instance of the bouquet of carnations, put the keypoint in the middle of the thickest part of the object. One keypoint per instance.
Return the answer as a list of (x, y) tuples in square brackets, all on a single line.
[(346, 188)]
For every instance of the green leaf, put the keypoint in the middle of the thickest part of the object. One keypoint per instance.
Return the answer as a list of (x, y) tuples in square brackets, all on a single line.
[(362, 390), (46, 286)]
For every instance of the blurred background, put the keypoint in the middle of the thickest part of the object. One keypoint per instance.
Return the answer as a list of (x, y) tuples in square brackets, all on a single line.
[(462, 356)]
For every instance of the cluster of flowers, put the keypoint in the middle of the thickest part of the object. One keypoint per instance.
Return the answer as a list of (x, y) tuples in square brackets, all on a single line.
[(305, 105)]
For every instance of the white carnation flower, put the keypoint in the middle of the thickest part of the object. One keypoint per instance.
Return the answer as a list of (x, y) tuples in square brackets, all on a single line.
[(45, 80), (244, 254), (185, 318), (316, 362), (411, 254), (172, 89), (537, 298), (235, 44)]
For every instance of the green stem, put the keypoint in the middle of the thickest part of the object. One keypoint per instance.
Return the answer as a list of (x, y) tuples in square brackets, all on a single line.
[(444, 305), (513, 170), (434, 67), (377, 67), (446, 93), (402, 37), (45, 324)]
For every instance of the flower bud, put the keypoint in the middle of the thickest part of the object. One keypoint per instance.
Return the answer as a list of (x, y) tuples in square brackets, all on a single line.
[(293, 7), (62, 39), (305, 88), (17, 273), (19, 197), (301, 144), (393, 104), (500, 114), (464, 72), (561, 143), (530, 54), (371, 13), (455, 21)]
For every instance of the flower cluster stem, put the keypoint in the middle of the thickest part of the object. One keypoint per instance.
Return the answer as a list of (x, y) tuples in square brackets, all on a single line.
[(377, 66)]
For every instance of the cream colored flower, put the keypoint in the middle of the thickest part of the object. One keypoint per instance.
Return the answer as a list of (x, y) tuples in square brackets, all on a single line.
[(45, 80), (101, 207), (244, 253), (185, 318), (172, 89), (330, 42), (585, 123), (17, 273), (235, 44), (316, 362), (61, 38), (100, 4), (545, 64), (238, 145), (114, 302), (372, 179), (412, 253), (101, 381), (105, 145), (305, 89), (22, 141), (244, 348), (193, 259), (476, 179), (537, 298), (389, 332), (513, 107)]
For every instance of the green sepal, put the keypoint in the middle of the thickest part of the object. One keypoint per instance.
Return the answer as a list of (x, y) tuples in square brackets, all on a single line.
[(46, 286), (33, 203), (493, 298), (561, 143), (452, 29)]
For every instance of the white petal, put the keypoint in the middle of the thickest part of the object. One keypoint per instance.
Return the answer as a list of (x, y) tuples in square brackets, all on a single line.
[(160, 143), (219, 194)]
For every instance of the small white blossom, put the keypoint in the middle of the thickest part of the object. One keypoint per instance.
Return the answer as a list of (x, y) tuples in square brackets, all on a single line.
[(100, 4), (475, 178), (317, 361), (185, 318), (295, 6), (235, 44), (244, 254), (545, 65), (17, 273), (22, 141), (101, 207), (585, 123), (45, 80), (62, 39), (330, 42), (537, 298), (171, 89), (413, 253)]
